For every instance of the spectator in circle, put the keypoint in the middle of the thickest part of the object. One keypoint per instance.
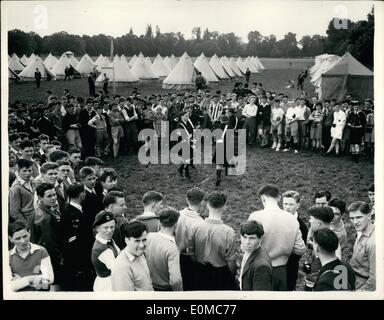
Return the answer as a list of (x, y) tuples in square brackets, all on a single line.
[(256, 266), (104, 250), (332, 273), (130, 271), (371, 196), (30, 266), (21, 199), (153, 203), (114, 202), (162, 255), (363, 260), (291, 204), (337, 225), (214, 247), (282, 235), (322, 197)]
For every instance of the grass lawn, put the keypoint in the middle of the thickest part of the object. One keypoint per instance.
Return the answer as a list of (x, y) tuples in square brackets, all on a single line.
[(304, 172)]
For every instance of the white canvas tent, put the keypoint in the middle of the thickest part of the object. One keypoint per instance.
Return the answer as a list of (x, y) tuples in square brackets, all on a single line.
[(15, 64), (159, 67), (100, 59), (235, 68), (50, 61), (217, 68), (119, 71), (28, 74), (85, 67), (24, 60), (326, 63), (30, 58), (59, 67), (241, 65), (132, 61), (225, 63), (12, 75), (258, 63), (89, 59), (182, 76), (142, 70), (171, 61), (249, 64), (101, 62), (149, 61), (202, 65)]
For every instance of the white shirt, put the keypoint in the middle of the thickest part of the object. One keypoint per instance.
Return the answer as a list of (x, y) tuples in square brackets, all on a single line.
[(90, 190), (243, 262), (339, 118), (277, 113), (250, 110), (292, 111)]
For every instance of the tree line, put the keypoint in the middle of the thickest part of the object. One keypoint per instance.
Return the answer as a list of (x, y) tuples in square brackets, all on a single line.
[(357, 38)]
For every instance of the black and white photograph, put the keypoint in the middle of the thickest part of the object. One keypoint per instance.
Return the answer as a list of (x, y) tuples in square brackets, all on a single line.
[(180, 149)]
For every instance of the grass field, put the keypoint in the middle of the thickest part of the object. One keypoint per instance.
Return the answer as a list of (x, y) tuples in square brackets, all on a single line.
[(304, 172), (274, 78)]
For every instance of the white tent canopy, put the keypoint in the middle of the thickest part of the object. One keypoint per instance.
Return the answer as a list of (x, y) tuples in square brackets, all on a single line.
[(117, 72), (101, 62), (85, 67), (202, 65), (234, 67), (12, 74), (217, 68), (28, 74), (50, 61), (241, 65), (30, 58), (249, 64), (171, 61), (86, 56), (258, 63), (59, 67), (325, 64), (159, 67), (132, 61), (182, 76), (225, 63), (142, 70), (24, 60), (15, 64)]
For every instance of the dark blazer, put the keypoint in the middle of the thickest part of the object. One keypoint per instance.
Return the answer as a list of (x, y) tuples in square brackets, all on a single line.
[(46, 231), (327, 275), (293, 260), (257, 272), (46, 126), (92, 205), (77, 239), (62, 199)]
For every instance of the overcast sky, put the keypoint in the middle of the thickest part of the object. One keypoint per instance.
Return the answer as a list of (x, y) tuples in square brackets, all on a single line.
[(241, 16)]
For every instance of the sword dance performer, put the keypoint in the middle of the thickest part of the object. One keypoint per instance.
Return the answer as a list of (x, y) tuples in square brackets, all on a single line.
[(221, 143), (186, 124)]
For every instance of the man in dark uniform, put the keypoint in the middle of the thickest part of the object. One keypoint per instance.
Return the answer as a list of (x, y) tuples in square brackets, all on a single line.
[(77, 241), (247, 75), (87, 133), (186, 124), (37, 77)]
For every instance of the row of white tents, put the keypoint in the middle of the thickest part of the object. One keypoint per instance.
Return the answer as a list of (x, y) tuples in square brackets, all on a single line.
[(177, 72)]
